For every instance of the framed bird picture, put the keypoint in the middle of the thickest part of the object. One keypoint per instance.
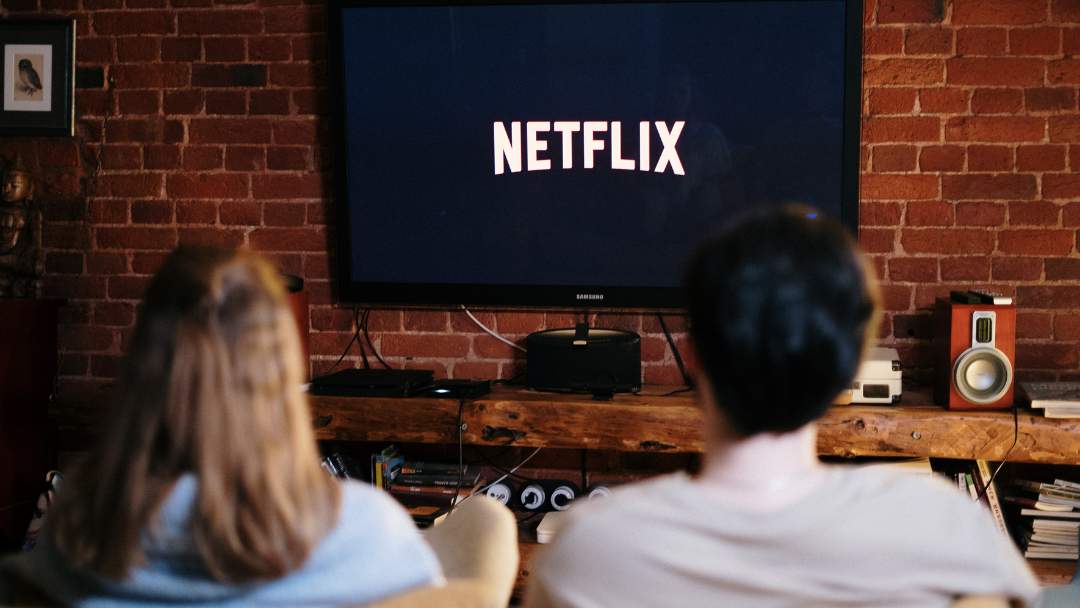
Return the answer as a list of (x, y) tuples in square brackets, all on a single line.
[(37, 74)]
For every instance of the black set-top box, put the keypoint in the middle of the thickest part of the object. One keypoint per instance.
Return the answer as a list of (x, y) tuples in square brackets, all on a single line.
[(373, 382)]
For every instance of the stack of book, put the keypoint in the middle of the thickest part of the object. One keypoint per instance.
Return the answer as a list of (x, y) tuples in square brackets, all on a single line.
[(385, 467), (1053, 516), (973, 479), (1056, 399), (428, 490)]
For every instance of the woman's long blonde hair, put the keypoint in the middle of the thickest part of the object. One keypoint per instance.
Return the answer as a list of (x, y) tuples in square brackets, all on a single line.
[(211, 387)]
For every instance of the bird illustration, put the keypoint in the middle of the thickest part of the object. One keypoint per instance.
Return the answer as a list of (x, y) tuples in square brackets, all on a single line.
[(28, 77)]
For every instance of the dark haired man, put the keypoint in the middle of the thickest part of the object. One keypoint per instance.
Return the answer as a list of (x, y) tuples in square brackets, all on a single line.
[(781, 306)]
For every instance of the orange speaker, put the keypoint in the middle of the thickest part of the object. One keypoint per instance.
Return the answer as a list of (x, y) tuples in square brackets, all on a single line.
[(976, 355)]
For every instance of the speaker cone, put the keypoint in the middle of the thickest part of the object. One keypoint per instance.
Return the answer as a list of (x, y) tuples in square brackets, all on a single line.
[(982, 375)]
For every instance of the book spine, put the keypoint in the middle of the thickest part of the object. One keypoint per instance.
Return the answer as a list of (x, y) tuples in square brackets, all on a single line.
[(423, 490), (430, 480), (429, 468), (992, 496)]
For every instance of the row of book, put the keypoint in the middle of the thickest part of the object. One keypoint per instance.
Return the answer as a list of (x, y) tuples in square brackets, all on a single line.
[(1051, 518), (428, 490)]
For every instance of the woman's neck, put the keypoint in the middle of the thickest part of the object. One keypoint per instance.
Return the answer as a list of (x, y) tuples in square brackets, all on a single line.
[(766, 471)]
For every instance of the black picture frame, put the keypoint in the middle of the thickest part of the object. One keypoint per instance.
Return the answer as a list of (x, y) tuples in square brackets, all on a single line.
[(37, 77), (406, 293)]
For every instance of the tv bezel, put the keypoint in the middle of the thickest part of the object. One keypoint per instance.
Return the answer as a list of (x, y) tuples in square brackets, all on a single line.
[(485, 295)]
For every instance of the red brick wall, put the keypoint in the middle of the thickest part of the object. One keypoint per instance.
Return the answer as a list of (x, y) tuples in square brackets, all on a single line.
[(214, 131)]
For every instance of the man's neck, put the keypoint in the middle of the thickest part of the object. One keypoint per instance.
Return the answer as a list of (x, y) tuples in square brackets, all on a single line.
[(765, 471)]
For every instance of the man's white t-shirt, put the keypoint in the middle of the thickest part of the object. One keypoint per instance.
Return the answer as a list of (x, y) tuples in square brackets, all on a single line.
[(864, 537)]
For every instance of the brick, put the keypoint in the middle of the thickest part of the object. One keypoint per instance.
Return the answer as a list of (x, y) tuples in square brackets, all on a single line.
[(941, 158), (127, 288), (877, 240), (121, 23), (896, 297), (1070, 215), (201, 158), (1016, 268), (288, 239), (929, 213), (980, 41), (228, 75), (898, 187), (311, 101), (910, 11), (1047, 355), (139, 102), (196, 212), (85, 338), (187, 48), (120, 156), (64, 262), (94, 50), (94, 103), (1064, 128), (1065, 11), (980, 187), (879, 214), (151, 212), (1046, 99), (997, 101), (1040, 158), (183, 102), (913, 270), (943, 101), (995, 128), (466, 370), (106, 263), (998, 12), (1035, 41), (269, 102), (269, 48), (1033, 325), (1036, 242), (226, 102), (161, 157), (1063, 71), (928, 41), (284, 214), (891, 101), (218, 21), (107, 211), (151, 76), (245, 158), (230, 130), (905, 71), (1063, 269), (132, 237), (287, 186), (1034, 213), (130, 185), (240, 213), (907, 129), (224, 49), (968, 268), (990, 158), (894, 158), (980, 214), (426, 320), (1070, 41), (287, 158), (947, 241), (74, 287), (1061, 185), (207, 185), (1067, 327), (308, 47), (212, 237), (995, 71), (294, 19), (297, 75), (1046, 296), (883, 41), (133, 49)]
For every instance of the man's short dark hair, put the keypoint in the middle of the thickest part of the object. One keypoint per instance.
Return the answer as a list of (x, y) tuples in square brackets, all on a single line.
[(780, 303)]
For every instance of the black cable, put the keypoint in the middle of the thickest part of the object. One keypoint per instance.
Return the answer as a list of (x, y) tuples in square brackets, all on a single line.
[(355, 338), (460, 456), (367, 337), (505, 471), (674, 350), (360, 322), (1016, 439)]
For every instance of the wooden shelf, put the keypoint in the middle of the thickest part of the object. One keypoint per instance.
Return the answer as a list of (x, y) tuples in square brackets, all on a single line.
[(649, 422)]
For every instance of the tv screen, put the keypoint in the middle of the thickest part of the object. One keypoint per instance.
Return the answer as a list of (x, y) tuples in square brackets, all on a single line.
[(571, 154)]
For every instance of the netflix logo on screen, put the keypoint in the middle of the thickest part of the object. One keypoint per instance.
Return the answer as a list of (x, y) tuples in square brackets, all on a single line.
[(602, 142)]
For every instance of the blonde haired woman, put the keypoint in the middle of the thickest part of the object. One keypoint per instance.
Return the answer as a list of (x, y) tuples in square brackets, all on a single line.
[(206, 488)]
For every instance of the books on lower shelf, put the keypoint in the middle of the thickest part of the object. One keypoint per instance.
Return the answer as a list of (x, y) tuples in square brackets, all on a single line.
[(1056, 399), (1053, 517)]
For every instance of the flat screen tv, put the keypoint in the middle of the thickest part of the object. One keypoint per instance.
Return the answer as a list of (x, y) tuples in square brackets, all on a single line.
[(566, 154)]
